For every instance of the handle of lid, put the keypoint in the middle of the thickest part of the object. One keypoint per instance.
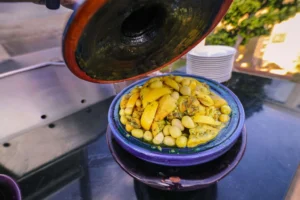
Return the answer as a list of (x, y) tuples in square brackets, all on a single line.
[(53, 4)]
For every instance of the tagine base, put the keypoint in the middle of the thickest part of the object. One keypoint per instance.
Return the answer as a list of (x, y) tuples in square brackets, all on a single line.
[(178, 178)]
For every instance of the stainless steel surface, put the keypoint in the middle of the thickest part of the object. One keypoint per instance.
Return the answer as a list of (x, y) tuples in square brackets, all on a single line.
[(4, 72), (41, 145), (66, 3), (51, 91)]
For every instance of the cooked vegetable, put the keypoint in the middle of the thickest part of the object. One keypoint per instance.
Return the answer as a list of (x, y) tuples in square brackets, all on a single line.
[(157, 127), (226, 109), (138, 133), (123, 120), (205, 99), (169, 141), (128, 127), (156, 84), (181, 141), (138, 103), (171, 83), (166, 130), (186, 82), (174, 111), (175, 131), (218, 101), (178, 79), (132, 100), (224, 118), (158, 139), (177, 122), (187, 122), (185, 90), (148, 115), (205, 120), (166, 105), (122, 112), (148, 136), (128, 111), (175, 95)]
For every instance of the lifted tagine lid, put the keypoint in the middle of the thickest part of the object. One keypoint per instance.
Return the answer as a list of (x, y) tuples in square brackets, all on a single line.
[(109, 41)]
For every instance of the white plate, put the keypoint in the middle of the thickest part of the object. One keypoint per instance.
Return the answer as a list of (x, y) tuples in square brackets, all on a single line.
[(211, 69), (209, 58), (212, 51), (215, 65)]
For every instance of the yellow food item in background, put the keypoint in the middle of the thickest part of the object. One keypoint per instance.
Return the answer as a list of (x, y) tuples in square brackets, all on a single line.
[(174, 112)]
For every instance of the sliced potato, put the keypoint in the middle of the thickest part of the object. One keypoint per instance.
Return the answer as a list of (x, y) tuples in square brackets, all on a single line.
[(205, 99), (156, 93), (132, 100), (218, 101), (171, 83), (166, 105), (124, 101), (205, 120), (148, 115)]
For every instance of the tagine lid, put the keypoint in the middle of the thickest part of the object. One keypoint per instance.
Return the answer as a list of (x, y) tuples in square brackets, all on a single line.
[(107, 41)]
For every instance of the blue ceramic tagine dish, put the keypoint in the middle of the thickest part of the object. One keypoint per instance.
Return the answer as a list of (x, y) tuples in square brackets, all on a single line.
[(176, 156)]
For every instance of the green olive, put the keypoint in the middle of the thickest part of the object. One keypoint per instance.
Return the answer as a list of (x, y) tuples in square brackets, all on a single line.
[(128, 111), (169, 141), (175, 131), (148, 136), (123, 120), (158, 139), (177, 122), (175, 95), (122, 112), (166, 130), (224, 118), (187, 122), (178, 79), (181, 141), (138, 133), (226, 109), (185, 90), (156, 84), (186, 82)]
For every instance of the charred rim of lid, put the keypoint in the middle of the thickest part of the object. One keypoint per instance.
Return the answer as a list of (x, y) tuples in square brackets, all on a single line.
[(143, 24)]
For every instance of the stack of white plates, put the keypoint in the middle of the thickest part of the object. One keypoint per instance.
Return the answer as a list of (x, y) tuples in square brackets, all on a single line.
[(214, 62)]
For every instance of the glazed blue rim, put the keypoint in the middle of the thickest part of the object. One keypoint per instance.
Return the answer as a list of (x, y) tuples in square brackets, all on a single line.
[(231, 131)]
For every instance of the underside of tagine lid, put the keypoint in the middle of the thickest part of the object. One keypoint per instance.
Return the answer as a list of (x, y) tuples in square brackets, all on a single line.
[(107, 41)]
